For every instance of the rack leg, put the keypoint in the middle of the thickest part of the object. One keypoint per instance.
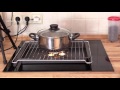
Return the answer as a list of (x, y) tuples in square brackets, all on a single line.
[(3, 53)]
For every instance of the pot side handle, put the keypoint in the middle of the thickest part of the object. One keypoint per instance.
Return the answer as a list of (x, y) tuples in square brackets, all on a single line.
[(33, 36), (73, 36)]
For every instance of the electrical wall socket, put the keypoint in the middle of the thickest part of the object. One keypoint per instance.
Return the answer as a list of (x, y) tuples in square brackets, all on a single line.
[(8, 19), (23, 18), (34, 18), (14, 18)]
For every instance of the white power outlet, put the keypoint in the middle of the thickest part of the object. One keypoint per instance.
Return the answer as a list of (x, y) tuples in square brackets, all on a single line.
[(37, 18)]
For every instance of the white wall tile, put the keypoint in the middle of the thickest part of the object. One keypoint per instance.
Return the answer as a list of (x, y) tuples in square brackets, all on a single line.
[(91, 15), (92, 25), (83, 22), (105, 15), (91, 33), (65, 15), (103, 23), (103, 31), (50, 16), (103, 26), (79, 15), (65, 23), (78, 26)]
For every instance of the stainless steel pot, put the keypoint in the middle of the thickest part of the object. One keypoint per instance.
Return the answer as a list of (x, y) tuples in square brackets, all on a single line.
[(54, 38)]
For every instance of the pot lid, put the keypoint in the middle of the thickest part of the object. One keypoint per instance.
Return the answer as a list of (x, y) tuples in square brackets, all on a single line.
[(54, 31)]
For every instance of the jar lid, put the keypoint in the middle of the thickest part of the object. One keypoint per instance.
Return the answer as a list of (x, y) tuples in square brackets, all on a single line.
[(114, 18)]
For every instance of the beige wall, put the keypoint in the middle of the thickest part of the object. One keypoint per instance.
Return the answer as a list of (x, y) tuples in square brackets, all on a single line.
[(82, 22), (2, 17)]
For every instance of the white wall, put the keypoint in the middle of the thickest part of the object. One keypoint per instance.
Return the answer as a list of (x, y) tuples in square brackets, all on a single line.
[(83, 22)]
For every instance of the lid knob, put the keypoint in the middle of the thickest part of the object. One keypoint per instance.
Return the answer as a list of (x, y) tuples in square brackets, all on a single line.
[(54, 27)]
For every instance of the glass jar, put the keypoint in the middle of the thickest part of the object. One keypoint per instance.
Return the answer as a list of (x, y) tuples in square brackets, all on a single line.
[(113, 28)]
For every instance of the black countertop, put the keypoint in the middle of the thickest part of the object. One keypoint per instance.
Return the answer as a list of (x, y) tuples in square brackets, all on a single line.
[(100, 58)]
